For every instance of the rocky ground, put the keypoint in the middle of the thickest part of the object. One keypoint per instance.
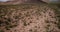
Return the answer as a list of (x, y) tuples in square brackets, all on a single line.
[(29, 18)]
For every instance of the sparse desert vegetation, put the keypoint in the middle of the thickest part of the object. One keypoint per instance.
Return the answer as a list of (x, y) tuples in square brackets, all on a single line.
[(29, 18)]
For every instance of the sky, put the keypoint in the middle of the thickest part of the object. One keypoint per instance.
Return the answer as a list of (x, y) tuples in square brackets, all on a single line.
[(4, 0)]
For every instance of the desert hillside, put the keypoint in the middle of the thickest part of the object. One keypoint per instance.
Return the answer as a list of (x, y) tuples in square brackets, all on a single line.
[(38, 17)]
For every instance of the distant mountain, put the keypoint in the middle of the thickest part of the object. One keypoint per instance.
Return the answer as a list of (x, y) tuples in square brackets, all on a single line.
[(20, 1)]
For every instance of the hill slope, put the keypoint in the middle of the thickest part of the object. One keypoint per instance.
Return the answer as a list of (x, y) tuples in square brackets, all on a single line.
[(28, 18)]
